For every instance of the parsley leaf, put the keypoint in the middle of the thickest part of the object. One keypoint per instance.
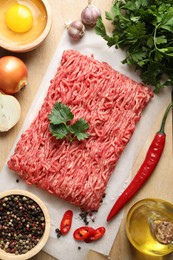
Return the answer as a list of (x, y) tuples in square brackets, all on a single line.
[(101, 30), (79, 128), (59, 131), (60, 126), (60, 113), (144, 30)]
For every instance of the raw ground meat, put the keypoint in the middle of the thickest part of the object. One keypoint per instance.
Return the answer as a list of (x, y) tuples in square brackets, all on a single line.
[(112, 105)]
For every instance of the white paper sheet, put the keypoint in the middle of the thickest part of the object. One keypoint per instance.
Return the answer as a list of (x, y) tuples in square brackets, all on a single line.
[(66, 248)]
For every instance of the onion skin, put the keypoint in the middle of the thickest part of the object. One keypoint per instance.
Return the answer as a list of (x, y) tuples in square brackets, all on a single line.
[(13, 74)]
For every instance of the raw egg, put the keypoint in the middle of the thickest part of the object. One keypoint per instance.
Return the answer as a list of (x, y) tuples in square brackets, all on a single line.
[(19, 18), (24, 24)]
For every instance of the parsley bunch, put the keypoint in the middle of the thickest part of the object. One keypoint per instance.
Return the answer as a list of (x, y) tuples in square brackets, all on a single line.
[(60, 126), (144, 29)]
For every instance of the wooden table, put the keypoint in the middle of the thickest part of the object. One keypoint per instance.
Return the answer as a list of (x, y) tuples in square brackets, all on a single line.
[(160, 184)]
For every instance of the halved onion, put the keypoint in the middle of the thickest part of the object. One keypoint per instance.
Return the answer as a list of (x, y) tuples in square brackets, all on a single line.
[(10, 112), (13, 74)]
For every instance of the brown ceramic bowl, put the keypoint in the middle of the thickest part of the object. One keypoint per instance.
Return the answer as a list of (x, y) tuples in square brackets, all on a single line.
[(23, 42), (42, 241)]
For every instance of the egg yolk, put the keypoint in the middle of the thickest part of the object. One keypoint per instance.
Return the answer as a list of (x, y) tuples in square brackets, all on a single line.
[(19, 18)]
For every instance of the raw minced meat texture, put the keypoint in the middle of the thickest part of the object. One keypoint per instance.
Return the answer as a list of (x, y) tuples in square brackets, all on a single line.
[(110, 102)]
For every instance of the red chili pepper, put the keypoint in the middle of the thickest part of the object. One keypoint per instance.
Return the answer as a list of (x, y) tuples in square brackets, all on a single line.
[(152, 158), (66, 222), (98, 233), (83, 232)]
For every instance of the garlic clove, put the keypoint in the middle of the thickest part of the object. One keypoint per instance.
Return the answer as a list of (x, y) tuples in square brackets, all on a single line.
[(10, 112)]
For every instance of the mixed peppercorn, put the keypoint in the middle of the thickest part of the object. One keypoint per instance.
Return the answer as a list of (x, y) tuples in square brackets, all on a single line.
[(22, 224)]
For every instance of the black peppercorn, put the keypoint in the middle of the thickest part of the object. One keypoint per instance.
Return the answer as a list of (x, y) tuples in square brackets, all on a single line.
[(58, 232)]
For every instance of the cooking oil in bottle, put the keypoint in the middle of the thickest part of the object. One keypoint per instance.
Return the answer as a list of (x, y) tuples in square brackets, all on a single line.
[(149, 227)]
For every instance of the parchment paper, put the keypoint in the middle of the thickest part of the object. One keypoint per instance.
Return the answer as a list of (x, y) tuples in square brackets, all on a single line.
[(66, 248)]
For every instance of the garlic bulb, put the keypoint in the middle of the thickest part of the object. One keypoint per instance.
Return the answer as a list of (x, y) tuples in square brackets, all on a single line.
[(76, 30), (90, 14)]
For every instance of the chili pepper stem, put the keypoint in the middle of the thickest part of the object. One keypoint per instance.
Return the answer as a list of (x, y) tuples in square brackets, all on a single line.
[(164, 118)]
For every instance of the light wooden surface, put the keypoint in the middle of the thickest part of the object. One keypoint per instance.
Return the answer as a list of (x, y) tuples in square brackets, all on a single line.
[(159, 185)]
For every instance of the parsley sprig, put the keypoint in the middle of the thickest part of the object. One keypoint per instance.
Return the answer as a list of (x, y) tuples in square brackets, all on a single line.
[(60, 126), (144, 29)]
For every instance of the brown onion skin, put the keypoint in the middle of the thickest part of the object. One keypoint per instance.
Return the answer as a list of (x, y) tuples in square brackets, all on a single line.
[(13, 74)]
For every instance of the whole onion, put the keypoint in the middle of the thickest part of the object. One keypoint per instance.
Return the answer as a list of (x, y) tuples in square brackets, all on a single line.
[(13, 74), (90, 14)]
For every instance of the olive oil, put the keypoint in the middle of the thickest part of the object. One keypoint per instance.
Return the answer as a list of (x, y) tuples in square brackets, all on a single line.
[(141, 223)]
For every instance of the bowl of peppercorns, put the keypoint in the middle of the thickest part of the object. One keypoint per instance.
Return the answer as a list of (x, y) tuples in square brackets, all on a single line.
[(24, 225)]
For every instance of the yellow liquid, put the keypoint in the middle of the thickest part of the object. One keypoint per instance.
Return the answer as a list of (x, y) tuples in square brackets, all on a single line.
[(39, 22), (138, 228)]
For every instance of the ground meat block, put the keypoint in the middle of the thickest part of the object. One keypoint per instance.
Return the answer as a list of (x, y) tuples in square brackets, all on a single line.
[(112, 105)]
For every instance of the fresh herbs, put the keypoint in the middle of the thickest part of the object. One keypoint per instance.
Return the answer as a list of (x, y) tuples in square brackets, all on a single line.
[(60, 126), (144, 29)]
